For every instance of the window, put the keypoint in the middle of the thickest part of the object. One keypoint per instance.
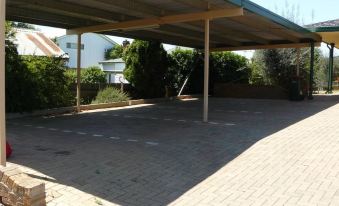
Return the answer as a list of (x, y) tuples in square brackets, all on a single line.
[(74, 46)]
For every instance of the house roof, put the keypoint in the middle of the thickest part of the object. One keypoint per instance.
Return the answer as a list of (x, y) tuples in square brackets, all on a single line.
[(119, 60), (30, 42), (328, 30), (256, 27), (332, 25), (99, 35)]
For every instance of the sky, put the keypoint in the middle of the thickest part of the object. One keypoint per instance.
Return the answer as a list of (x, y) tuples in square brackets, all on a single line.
[(309, 11)]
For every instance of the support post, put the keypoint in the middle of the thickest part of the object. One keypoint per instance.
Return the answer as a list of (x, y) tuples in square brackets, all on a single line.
[(2, 85), (310, 88), (79, 73), (206, 68), (330, 70), (298, 62)]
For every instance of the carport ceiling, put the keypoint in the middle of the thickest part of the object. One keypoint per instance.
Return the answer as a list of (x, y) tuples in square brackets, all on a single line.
[(257, 27)]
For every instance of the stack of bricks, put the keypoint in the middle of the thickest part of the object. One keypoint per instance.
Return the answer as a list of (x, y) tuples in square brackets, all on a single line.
[(18, 189)]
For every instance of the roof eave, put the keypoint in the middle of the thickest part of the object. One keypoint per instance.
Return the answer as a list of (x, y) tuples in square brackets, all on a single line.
[(261, 11)]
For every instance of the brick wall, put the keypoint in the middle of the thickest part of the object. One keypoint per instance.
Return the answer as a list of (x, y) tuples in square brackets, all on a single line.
[(249, 91), (18, 189)]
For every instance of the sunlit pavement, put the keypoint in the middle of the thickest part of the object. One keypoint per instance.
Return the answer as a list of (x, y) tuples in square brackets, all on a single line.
[(252, 152)]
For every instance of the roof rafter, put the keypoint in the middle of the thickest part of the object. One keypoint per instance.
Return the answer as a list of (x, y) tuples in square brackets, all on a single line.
[(271, 46), (150, 22)]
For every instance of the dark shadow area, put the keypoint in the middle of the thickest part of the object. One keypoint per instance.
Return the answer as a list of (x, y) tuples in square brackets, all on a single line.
[(150, 155)]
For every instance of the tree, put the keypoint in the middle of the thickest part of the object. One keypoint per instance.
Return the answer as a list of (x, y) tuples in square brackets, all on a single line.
[(33, 82), (224, 67), (181, 64), (278, 66), (228, 67), (115, 52), (20, 85), (22, 25), (146, 67)]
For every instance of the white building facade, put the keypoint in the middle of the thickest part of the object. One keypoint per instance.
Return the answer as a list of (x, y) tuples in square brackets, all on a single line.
[(93, 48), (114, 69)]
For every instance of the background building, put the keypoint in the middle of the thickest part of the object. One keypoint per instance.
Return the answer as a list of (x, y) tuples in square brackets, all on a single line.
[(31, 42), (114, 69), (93, 48)]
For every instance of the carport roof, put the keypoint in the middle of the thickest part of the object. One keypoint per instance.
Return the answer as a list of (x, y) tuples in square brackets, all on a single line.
[(328, 30), (256, 28)]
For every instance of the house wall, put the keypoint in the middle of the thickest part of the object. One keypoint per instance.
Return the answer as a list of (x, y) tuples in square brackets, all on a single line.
[(113, 66), (116, 78), (93, 51), (114, 72)]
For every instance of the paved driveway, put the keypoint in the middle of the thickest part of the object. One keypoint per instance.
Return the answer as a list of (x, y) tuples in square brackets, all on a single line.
[(252, 152)]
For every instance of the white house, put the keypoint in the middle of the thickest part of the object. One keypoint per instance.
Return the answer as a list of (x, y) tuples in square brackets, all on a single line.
[(31, 42), (93, 48), (114, 69)]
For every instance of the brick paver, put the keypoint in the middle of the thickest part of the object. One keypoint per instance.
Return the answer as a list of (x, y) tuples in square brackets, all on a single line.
[(253, 152)]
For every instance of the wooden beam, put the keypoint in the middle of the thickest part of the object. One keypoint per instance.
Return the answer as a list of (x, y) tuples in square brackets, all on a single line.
[(2, 85), (270, 46), (206, 69), (164, 38), (150, 22), (79, 73), (45, 17), (63, 8), (196, 35), (264, 27)]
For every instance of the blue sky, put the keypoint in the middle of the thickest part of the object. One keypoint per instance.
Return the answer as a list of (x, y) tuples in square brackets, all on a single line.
[(323, 10), (309, 11)]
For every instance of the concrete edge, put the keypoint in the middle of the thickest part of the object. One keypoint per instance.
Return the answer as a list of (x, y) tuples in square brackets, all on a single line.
[(72, 109)]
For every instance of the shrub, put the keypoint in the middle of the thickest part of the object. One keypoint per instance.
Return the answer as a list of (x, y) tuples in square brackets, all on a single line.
[(93, 75), (109, 95), (20, 85), (52, 85), (33, 82), (90, 75)]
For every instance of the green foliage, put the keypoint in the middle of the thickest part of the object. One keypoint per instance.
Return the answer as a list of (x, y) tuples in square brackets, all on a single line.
[(278, 66), (110, 94), (71, 75), (224, 67), (33, 82), (20, 86), (93, 75), (90, 75), (22, 25), (228, 67), (115, 52), (181, 63), (52, 84), (146, 67)]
